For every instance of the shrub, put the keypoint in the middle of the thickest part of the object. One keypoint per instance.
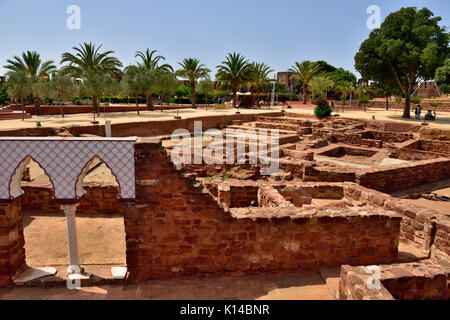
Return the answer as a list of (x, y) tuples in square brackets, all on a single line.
[(322, 108), (363, 100), (415, 100)]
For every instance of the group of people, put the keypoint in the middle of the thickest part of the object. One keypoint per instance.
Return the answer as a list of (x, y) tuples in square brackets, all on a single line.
[(428, 115)]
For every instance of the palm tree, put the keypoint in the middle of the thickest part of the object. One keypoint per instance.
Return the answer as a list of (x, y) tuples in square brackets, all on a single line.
[(88, 63), (235, 71), (304, 72), (345, 89), (151, 64), (260, 76), (321, 84), (192, 70), (34, 68)]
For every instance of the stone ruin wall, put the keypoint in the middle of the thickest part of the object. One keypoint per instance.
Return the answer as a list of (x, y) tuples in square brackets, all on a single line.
[(175, 228)]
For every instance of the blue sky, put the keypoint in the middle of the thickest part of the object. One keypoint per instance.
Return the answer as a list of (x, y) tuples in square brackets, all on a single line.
[(277, 32)]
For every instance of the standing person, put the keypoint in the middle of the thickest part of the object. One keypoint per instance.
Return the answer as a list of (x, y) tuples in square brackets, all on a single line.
[(418, 111)]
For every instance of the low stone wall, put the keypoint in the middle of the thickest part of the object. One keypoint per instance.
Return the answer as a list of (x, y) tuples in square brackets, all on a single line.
[(151, 128), (405, 176), (99, 199), (421, 227), (408, 281), (175, 228), (427, 133), (12, 251), (441, 147)]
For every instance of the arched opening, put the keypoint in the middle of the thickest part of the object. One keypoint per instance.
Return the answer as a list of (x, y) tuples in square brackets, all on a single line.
[(43, 225), (99, 219)]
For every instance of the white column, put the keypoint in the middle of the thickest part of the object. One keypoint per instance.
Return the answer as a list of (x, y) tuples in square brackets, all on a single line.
[(69, 211), (108, 128)]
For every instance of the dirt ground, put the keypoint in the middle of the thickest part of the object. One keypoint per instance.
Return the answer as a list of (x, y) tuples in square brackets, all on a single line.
[(281, 286), (443, 118), (84, 119), (442, 121), (101, 240)]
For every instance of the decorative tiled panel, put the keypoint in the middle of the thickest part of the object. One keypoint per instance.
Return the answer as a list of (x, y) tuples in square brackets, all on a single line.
[(63, 160)]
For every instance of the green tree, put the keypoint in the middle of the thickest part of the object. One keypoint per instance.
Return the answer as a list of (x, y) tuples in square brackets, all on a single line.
[(19, 87), (96, 69), (345, 89), (166, 84), (304, 72), (58, 87), (192, 70), (408, 47), (235, 71), (132, 83), (320, 85), (387, 89), (205, 87), (442, 77), (342, 76), (260, 76), (4, 98), (34, 68), (363, 94), (151, 64)]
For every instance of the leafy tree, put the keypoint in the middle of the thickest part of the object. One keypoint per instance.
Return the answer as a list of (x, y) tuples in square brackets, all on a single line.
[(166, 84), (19, 87), (304, 72), (324, 67), (34, 68), (205, 87), (96, 68), (363, 92), (235, 71), (132, 83), (182, 92), (59, 87), (442, 77), (416, 100), (192, 70), (342, 76), (387, 89), (408, 47), (320, 84), (4, 98), (151, 64)]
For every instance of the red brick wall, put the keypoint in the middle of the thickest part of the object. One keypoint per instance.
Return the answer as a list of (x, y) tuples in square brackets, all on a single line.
[(99, 199), (12, 252), (174, 228), (405, 176)]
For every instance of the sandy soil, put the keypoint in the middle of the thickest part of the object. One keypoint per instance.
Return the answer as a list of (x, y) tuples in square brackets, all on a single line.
[(438, 206), (101, 240), (442, 121), (85, 119), (284, 286)]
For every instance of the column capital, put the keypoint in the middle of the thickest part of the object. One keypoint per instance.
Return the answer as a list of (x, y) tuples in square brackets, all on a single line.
[(69, 209)]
